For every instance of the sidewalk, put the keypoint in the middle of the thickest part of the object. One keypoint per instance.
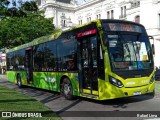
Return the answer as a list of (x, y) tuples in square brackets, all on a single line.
[(2, 76), (157, 87)]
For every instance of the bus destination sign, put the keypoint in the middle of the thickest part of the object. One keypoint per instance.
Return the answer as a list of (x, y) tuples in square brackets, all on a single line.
[(121, 27), (124, 27)]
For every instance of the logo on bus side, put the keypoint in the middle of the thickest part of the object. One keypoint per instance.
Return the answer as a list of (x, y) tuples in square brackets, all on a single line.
[(145, 81), (131, 83), (52, 80)]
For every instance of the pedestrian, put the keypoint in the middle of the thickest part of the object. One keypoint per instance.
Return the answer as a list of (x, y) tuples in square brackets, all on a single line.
[(4, 71)]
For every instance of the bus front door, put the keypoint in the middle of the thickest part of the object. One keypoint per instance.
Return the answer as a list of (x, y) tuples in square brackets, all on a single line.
[(29, 65), (88, 65)]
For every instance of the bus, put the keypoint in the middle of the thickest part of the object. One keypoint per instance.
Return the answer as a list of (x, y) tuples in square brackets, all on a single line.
[(103, 59)]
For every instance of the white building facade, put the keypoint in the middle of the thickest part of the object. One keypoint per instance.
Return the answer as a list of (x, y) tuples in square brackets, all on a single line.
[(66, 13)]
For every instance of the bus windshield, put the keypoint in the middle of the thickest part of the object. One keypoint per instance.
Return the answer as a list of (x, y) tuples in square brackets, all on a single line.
[(128, 51)]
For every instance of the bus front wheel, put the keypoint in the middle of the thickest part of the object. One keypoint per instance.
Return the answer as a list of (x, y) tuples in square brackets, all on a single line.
[(66, 89), (152, 93), (19, 82)]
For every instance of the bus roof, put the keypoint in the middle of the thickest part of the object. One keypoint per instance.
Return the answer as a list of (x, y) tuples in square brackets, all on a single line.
[(47, 38), (37, 41), (57, 34)]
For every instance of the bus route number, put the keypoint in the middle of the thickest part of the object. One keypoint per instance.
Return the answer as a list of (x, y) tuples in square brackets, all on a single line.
[(121, 27), (126, 27)]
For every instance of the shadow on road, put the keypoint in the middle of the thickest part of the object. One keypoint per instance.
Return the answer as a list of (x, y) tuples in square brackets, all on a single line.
[(69, 106), (120, 102), (50, 98)]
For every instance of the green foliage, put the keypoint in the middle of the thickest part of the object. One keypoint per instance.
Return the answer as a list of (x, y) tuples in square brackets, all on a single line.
[(22, 25), (29, 6), (3, 8)]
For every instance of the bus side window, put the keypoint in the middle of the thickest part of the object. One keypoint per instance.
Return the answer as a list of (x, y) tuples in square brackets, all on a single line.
[(10, 61), (67, 56), (50, 63), (38, 57)]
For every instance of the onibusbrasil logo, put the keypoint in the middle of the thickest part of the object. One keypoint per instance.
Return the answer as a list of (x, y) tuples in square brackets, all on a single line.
[(21, 114)]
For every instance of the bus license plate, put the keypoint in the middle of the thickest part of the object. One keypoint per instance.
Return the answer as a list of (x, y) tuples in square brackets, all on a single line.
[(137, 93)]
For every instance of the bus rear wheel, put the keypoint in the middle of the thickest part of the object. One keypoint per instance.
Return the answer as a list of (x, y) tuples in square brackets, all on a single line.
[(19, 82), (67, 89)]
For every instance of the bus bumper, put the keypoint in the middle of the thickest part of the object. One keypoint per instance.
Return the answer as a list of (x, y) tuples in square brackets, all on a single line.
[(113, 92)]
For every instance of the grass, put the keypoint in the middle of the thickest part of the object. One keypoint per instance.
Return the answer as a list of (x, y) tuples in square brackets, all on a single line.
[(11, 100)]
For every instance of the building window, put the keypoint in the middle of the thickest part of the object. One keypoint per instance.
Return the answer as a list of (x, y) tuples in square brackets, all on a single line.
[(112, 14), (89, 19), (108, 15), (135, 4), (123, 12), (137, 19), (80, 22), (159, 19), (63, 20), (98, 16), (63, 23)]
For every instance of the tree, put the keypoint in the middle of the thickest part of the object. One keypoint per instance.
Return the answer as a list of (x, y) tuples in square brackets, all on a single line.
[(3, 8), (22, 25)]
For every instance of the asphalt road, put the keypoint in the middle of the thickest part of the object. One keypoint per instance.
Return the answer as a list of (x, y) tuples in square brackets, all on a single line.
[(133, 108)]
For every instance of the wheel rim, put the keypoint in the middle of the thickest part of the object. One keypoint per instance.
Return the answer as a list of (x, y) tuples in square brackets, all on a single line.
[(67, 89)]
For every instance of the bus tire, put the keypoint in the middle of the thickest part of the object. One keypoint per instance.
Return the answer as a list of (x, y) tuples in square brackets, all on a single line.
[(67, 89), (19, 81)]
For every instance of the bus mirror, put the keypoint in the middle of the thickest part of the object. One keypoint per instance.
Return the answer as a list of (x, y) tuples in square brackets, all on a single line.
[(153, 49), (151, 37)]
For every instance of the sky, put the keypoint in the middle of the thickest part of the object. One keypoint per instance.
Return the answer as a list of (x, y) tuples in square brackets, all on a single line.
[(79, 1), (82, 1), (17, 4)]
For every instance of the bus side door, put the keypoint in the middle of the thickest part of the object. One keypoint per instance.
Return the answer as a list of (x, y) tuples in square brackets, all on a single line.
[(87, 64), (29, 64)]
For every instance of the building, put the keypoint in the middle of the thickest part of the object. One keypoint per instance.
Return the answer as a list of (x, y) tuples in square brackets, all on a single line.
[(62, 11), (66, 13)]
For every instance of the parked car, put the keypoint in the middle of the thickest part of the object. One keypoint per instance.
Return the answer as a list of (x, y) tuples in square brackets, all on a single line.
[(157, 74)]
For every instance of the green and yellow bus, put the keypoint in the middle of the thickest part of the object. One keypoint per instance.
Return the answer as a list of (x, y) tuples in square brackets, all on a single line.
[(103, 59)]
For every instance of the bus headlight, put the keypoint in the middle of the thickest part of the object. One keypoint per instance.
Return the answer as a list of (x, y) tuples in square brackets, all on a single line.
[(152, 79), (115, 82)]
